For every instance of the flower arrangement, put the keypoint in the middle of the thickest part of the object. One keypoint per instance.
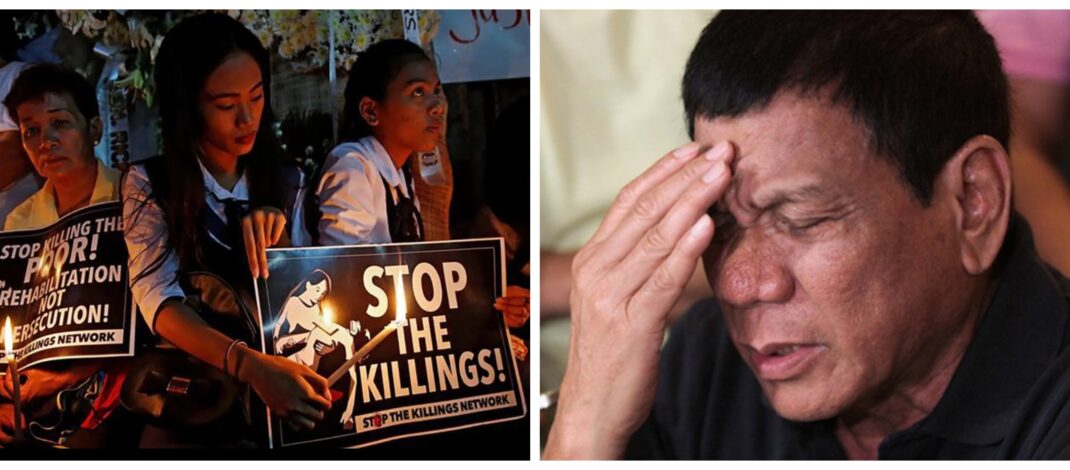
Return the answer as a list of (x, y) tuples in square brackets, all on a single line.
[(301, 37)]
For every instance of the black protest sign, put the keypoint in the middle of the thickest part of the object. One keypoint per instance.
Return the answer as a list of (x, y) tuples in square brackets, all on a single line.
[(65, 288), (407, 334)]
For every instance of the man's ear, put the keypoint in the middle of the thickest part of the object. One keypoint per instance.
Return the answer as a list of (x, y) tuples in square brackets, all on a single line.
[(976, 183), (368, 109)]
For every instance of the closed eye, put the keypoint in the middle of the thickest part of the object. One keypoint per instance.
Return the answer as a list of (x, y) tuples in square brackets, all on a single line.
[(799, 226)]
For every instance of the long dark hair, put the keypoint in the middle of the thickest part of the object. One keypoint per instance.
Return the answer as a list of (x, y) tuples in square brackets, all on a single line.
[(369, 76), (190, 52)]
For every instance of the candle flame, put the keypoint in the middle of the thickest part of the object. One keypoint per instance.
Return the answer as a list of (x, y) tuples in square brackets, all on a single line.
[(400, 308), (328, 314), (8, 340)]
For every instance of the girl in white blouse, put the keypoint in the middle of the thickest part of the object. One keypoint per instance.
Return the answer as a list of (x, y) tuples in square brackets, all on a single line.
[(394, 107), (215, 200)]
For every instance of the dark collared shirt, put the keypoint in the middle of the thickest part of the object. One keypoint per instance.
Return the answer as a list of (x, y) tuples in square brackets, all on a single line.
[(1009, 397)]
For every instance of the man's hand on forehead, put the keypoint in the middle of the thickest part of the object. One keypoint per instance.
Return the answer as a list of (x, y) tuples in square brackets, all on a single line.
[(626, 280)]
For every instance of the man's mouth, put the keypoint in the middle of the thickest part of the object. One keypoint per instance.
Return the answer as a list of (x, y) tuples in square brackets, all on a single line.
[(783, 361)]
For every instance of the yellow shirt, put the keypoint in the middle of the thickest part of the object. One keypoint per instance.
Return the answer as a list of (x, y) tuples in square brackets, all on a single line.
[(40, 209)]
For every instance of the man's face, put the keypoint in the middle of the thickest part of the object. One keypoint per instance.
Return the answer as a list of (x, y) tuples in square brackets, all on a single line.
[(835, 282)]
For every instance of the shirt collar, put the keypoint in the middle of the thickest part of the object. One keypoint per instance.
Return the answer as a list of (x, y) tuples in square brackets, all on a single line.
[(1019, 335), (382, 161), (211, 186), (44, 212)]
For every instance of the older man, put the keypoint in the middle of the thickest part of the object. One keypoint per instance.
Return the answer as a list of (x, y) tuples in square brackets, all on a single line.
[(850, 193)]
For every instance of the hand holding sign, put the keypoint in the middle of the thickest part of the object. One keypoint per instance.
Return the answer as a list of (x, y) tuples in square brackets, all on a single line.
[(516, 305)]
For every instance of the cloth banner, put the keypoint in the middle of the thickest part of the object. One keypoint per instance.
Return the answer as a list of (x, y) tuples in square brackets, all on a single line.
[(474, 45)]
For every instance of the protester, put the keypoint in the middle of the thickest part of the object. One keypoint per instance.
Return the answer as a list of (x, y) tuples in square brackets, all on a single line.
[(59, 121), (849, 190), (394, 108), (219, 185)]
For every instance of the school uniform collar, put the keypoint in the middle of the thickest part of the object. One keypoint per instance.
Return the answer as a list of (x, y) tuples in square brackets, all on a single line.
[(211, 186), (381, 159)]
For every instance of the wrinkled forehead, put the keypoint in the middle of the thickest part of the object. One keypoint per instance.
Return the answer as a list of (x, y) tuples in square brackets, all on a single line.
[(47, 103), (797, 146)]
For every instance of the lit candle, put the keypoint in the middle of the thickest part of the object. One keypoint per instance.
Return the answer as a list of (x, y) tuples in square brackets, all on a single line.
[(13, 375), (326, 323), (400, 309)]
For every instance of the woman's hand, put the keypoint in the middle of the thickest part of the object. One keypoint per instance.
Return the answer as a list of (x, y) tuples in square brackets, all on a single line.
[(7, 423), (516, 305), (290, 390), (520, 350), (261, 230), (43, 384)]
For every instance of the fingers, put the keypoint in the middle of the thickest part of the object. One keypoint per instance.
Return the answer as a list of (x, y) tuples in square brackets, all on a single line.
[(322, 391), (520, 350), (696, 186), (664, 286), (517, 291), (300, 422), (515, 306), (7, 424), (662, 239), (515, 317), (250, 245), (278, 226), (260, 231), (7, 389), (668, 164)]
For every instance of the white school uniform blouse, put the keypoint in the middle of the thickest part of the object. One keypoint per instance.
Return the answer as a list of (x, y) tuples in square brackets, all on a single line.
[(146, 240), (352, 196)]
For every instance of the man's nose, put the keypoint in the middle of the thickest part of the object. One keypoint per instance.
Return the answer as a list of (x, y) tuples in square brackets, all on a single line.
[(753, 271)]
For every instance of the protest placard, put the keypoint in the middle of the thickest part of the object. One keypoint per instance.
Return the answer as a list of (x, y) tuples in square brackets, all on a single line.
[(406, 334), (65, 288)]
